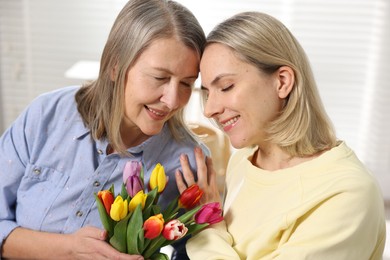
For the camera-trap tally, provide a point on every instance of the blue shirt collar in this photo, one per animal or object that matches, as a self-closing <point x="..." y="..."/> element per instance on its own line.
<point x="151" y="148"/>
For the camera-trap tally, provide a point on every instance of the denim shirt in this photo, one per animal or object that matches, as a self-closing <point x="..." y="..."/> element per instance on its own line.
<point x="50" y="167"/>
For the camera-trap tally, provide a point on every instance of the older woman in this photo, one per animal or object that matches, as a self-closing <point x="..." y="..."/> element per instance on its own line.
<point x="73" y="142"/>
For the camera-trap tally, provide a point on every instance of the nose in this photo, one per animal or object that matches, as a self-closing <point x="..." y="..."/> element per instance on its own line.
<point x="171" y="96"/>
<point x="212" y="106"/>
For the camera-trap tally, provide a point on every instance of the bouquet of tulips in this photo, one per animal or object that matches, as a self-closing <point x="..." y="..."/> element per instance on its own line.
<point x="135" y="222"/>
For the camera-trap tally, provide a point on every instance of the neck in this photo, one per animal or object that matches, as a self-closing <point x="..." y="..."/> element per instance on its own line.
<point x="133" y="137"/>
<point x="272" y="158"/>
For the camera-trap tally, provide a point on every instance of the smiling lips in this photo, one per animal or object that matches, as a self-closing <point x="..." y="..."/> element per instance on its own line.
<point x="229" y="124"/>
<point x="156" y="114"/>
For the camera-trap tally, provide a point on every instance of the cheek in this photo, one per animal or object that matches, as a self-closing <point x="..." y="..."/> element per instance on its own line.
<point x="184" y="96"/>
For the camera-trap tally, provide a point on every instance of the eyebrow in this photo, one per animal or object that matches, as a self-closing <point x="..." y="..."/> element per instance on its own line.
<point x="171" y="73"/>
<point x="218" y="78"/>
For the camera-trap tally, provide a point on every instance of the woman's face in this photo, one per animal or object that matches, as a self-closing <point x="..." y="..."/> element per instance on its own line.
<point x="158" y="84"/>
<point x="240" y="97"/>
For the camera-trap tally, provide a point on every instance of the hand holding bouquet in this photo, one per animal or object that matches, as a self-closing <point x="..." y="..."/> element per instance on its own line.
<point x="135" y="222"/>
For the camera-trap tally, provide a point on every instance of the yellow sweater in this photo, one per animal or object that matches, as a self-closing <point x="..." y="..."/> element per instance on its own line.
<point x="326" y="208"/>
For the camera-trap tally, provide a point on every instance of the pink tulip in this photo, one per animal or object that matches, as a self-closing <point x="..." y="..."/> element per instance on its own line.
<point x="174" y="230"/>
<point x="210" y="213"/>
<point x="132" y="177"/>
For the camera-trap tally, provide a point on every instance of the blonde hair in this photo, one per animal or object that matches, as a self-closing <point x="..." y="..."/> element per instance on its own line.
<point x="302" y="127"/>
<point x="140" y="22"/>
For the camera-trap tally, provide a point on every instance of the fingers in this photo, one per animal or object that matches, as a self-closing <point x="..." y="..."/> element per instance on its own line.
<point x="207" y="176"/>
<point x="201" y="168"/>
<point x="186" y="178"/>
<point x="212" y="176"/>
<point x="186" y="170"/>
<point x="181" y="185"/>
<point x="93" y="232"/>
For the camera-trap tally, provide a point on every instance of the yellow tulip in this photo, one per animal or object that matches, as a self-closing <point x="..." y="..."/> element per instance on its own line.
<point x="119" y="209"/>
<point x="158" y="178"/>
<point x="139" y="198"/>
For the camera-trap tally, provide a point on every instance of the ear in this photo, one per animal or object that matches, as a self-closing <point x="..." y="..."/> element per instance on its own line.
<point x="286" y="79"/>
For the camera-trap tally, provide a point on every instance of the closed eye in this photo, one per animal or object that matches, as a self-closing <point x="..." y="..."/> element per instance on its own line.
<point x="204" y="93"/>
<point x="160" y="78"/>
<point x="225" y="89"/>
<point x="187" y="84"/>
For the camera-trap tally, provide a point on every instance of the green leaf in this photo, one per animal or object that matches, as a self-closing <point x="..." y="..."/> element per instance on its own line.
<point x="124" y="193"/>
<point x="159" y="256"/>
<point x="155" y="210"/>
<point x="112" y="190"/>
<point x="141" y="240"/>
<point x="118" y="240"/>
<point x="192" y="228"/>
<point x="106" y="220"/>
<point x="188" y="215"/>
<point x="134" y="228"/>
<point x="141" y="174"/>
<point x="171" y="210"/>
<point x="150" y="199"/>
<point x="153" y="247"/>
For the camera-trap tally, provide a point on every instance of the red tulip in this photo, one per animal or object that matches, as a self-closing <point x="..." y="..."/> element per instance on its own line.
<point x="153" y="226"/>
<point x="190" y="197"/>
<point x="107" y="198"/>
<point x="210" y="213"/>
<point x="174" y="230"/>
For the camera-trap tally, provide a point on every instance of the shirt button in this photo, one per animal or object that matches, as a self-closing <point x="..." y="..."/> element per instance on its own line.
<point x="96" y="184"/>
<point x="100" y="151"/>
<point x="37" y="171"/>
<point x="79" y="213"/>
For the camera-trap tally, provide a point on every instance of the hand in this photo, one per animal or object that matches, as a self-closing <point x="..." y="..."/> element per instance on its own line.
<point x="207" y="177"/>
<point x="89" y="243"/>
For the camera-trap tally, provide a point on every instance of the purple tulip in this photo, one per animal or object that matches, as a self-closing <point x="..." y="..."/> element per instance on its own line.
<point x="132" y="177"/>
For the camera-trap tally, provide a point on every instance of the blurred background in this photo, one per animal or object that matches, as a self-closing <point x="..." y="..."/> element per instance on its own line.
<point x="46" y="44"/>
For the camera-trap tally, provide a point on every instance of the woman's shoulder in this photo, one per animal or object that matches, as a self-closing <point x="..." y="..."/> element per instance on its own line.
<point x="51" y="106"/>
<point x="57" y="97"/>
<point x="339" y="171"/>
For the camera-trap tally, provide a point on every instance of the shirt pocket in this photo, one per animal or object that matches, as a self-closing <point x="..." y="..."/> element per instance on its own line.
<point x="37" y="192"/>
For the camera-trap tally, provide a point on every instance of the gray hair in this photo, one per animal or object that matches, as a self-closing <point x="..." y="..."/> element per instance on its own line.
<point x="139" y="23"/>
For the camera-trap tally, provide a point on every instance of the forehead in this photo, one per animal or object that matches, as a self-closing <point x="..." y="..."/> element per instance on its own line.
<point x="216" y="51"/>
<point x="171" y="54"/>
<point x="219" y="59"/>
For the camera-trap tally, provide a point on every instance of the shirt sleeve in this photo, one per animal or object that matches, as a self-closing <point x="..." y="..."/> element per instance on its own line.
<point x="13" y="158"/>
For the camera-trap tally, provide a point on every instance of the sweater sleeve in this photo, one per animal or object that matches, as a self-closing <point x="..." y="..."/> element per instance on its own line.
<point x="349" y="225"/>
<point x="214" y="242"/>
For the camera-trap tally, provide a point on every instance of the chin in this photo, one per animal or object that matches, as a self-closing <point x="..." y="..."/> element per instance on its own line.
<point x="239" y="142"/>
<point x="152" y="130"/>
<point x="238" y="145"/>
